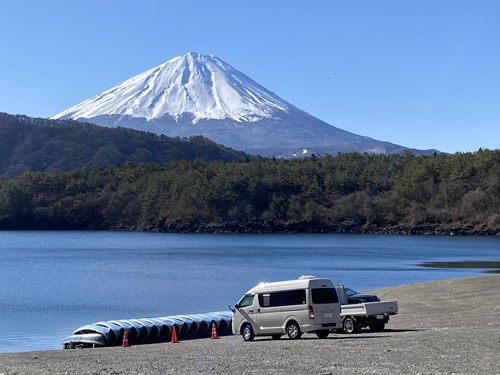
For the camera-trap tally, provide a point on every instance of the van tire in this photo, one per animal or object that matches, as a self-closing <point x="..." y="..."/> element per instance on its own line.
<point x="247" y="332"/>
<point x="293" y="330"/>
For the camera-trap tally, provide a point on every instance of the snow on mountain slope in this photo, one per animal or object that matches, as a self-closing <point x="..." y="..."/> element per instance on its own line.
<point x="200" y="85"/>
<point x="197" y="94"/>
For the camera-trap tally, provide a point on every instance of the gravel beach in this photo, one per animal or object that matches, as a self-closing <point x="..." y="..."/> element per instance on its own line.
<point x="443" y="327"/>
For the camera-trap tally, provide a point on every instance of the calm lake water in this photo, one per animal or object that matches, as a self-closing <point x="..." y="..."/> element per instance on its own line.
<point x="52" y="283"/>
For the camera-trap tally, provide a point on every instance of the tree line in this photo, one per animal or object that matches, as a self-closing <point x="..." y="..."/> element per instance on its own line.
<point x="352" y="193"/>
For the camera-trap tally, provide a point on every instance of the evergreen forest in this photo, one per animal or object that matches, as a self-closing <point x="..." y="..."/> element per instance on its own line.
<point x="38" y="144"/>
<point x="345" y="193"/>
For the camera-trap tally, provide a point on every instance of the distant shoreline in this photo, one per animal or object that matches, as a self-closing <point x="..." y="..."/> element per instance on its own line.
<point x="313" y="228"/>
<point x="491" y="266"/>
<point x="289" y="229"/>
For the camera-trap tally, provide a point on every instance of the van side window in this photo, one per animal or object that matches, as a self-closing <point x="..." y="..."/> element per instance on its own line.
<point x="247" y="300"/>
<point x="324" y="295"/>
<point x="285" y="298"/>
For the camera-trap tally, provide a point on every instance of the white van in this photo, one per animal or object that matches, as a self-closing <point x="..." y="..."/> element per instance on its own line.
<point x="305" y="305"/>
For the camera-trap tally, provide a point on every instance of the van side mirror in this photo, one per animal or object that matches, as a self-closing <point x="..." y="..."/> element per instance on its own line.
<point x="230" y="308"/>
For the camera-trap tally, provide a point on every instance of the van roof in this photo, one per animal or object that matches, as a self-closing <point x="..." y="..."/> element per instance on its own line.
<point x="291" y="284"/>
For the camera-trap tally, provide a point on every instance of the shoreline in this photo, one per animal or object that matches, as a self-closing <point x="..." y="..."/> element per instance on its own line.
<point x="295" y="228"/>
<point x="309" y="228"/>
<point x="443" y="327"/>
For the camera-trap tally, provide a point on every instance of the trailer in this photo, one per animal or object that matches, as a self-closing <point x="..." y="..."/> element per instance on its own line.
<point x="373" y="315"/>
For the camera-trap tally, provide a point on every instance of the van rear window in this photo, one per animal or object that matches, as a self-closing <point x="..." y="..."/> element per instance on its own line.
<point x="324" y="295"/>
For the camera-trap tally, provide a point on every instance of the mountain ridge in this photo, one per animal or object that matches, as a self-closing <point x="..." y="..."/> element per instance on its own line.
<point x="44" y="145"/>
<point x="197" y="94"/>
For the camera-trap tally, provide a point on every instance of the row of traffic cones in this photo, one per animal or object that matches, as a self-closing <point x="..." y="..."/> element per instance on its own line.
<point x="213" y="336"/>
<point x="174" y="335"/>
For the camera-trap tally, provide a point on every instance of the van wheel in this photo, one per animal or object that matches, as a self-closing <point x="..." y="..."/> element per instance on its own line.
<point x="293" y="330"/>
<point x="350" y="326"/>
<point x="322" y="334"/>
<point x="276" y="337"/>
<point x="247" y="332"/>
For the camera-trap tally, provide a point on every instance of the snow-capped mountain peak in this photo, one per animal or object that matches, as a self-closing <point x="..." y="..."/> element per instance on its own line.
<point x="195" y="94"/>
<point x="199" y="86"/>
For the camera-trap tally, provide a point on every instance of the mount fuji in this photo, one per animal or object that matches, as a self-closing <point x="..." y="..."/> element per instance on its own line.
<point x="196" y="94"/>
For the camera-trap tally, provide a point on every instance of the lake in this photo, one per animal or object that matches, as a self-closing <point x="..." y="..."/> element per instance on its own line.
<point x="53" y="282"/>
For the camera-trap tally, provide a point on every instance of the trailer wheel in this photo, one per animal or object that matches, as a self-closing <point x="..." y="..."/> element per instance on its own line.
<point x="247" y="332"/>
<point x="377" y="326"/>
<point x="350" y="325"/>
<point x="293" y="330"/>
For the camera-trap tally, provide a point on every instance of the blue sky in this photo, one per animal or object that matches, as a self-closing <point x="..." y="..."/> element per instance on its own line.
<point x="423" y="74"/>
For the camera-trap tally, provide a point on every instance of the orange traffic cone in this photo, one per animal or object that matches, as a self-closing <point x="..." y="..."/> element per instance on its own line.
<point x="214" y="331"/>
<point x="125" y="338"/>
<point x="174" y="335"/>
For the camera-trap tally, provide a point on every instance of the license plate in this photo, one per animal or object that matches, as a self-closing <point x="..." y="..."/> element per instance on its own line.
<point x="380" y="317"/>
<point x="328" y="315"/>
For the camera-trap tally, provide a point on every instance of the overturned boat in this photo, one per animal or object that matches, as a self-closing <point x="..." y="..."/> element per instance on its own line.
<point x="149" y="330"/>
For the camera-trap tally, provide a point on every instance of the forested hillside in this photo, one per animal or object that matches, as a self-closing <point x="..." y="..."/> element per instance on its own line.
<point x="37" y="144"/>
<point x="457" y="194"/>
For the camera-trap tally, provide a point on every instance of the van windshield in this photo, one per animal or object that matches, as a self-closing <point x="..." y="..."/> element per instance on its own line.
<point x="246" y="300"/>
<point x="324" y="295"/>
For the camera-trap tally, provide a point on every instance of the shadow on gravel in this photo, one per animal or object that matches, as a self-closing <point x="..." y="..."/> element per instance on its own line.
<point x="343" y="336"/>
<point x="357" y="336"/>
<point x="387" y="330"/>
<point x="402" y="330"/>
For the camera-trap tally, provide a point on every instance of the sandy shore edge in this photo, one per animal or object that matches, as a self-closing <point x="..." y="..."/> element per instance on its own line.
<point x="444" y="327"/>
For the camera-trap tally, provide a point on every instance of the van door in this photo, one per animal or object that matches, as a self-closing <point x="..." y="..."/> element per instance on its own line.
<point x="268" y="318"/>
<point x="245" y="312"/>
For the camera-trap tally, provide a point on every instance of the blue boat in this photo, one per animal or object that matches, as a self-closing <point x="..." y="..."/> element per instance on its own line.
<point x="149" y="330"/>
